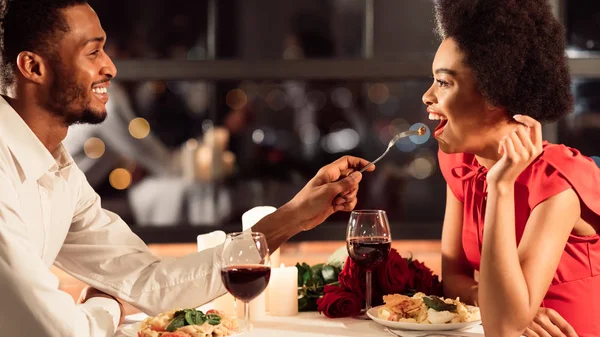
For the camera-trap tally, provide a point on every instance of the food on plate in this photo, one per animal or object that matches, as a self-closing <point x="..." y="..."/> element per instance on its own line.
<point x="189" y="323"/>
<point x="423" y="309"/>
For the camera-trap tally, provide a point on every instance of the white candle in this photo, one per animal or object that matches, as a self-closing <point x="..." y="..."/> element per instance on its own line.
<point x="225" y="303"/>
<point x="274" y="264"/>
<point x="283" y="291"/>
<point x="258" y="306"/>
<point x="275" y="256"/>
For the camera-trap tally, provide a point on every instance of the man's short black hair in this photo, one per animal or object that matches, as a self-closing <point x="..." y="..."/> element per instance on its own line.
<point x="516" y="49"/>
<point x="29" y="25"/>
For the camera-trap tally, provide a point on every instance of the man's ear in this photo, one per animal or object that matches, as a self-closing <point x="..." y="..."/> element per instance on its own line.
<point x="32" y="66"/>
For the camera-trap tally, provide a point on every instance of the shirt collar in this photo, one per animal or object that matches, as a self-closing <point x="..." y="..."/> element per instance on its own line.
<point x="33" y="157"/>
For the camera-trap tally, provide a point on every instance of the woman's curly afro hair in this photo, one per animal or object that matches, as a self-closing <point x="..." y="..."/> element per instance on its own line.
<point x="516" y="49"/>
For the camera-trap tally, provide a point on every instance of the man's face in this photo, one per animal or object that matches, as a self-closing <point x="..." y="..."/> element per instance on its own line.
<point x="80" y="69"/>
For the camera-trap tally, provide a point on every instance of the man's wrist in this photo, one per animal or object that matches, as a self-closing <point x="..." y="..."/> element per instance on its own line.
<point x="280" y="225"/>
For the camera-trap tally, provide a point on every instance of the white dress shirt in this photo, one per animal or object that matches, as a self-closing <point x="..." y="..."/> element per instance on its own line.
<point x="49" y="214"/>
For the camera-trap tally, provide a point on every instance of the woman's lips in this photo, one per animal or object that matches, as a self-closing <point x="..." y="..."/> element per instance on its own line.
<point x="433" y="115"/>
<point x="440" y="128"/>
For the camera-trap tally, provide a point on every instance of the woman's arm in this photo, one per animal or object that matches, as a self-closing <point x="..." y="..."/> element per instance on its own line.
<point x="457" y="272"/>
<point x="514" y="280"/>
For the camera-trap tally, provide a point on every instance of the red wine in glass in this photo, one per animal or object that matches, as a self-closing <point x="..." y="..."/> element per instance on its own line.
<point x="246" y="282"/>
<point x="245" y="267"/>
<point x="368" y="252"/>
<point x="368" y="241"/>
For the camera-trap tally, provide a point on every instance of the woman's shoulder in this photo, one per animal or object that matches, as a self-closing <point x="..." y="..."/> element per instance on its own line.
<point x="557" y="169"/>
<point x="561" y="159"/>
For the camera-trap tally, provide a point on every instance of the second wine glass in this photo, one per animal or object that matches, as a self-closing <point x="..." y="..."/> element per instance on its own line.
<point x="245" y="267"/>
<point x="368" y="241"/>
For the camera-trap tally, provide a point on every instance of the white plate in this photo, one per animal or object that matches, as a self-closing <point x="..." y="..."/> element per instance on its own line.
<point x="131" y="330"/>
<point x="421" y="327"/>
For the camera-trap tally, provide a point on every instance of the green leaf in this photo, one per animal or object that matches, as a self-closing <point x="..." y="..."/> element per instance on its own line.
<point x="307" y="304"/>
<point x="213" y="319"/>
<point x="180" y="312"/>
<point x="314" y="283"/>
<point x="329" y="274"/>
<point x="306" y="277"/>
<point x="176" y="323"/>
<point x="301" y="272"/>
<point x="437" y="304"/>
<point x="316" y="269"/>
<point x="190" y="317"/>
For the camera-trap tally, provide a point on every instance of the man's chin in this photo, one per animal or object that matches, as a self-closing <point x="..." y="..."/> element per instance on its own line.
<point x="88" y="117"/>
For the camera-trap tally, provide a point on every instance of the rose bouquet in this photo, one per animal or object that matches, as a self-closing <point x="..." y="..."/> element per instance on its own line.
<point x="344" y="294"/>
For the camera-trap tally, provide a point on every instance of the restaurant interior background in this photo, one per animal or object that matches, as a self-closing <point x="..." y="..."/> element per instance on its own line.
<point x="222" y="105"/>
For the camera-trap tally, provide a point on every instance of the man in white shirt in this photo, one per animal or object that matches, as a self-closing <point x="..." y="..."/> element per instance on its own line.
<point x="55" y="73"/>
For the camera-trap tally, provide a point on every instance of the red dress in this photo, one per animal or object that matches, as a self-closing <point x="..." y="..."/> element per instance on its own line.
<point x="575" y="289"/>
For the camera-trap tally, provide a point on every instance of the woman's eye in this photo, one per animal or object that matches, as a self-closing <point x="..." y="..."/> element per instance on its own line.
<point x="442" y="83"/>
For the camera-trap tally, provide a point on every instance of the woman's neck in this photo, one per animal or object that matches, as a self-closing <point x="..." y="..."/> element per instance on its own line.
<point x="488" y="155"/>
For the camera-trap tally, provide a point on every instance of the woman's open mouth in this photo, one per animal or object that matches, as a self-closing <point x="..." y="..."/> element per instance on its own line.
<point x="443" y="122"/>
<point x="440" y="128"/>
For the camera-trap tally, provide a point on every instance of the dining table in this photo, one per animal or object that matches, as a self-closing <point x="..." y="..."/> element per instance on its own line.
<point x="313" y="324"/>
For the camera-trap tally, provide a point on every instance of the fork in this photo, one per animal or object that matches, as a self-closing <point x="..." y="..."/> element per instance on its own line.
<point x="419" y="132"/>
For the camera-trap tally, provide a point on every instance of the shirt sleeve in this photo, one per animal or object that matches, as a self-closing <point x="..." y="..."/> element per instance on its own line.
<point x="32" y="304"/>
<point x="448" y="162"/>
<point x="101" y="250"/>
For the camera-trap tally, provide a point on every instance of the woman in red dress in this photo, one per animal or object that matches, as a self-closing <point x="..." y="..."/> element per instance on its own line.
<point x="523" y="213"/>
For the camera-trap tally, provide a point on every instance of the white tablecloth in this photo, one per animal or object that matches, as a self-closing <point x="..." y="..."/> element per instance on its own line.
<point x="311" y="324"/>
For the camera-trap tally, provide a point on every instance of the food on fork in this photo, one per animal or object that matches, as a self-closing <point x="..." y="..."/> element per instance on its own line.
<point x="423" y="309"/>
<point x="189" y="323"/>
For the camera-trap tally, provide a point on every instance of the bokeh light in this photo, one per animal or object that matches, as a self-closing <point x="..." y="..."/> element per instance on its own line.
<point x="309" y="133"/>
<point x="139" y="128"/>
<point x="276" y="99"/>
<point x="341" y="97"/>
<point x="94" y="148"/>
<point x="379" y="93"/>
<point x="406" y="145"/>
<point x="258" y="136"/>
<point x="420" y="139"/>
<point x="316" y="100"/>
<point x="120" y="179"/>
<point x="236" y="99"/>
<point x="421" y="168"/>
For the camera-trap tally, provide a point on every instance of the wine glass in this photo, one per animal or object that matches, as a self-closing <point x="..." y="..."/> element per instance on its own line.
<point x="245" y="267"/>
<point x="368" y="241"/>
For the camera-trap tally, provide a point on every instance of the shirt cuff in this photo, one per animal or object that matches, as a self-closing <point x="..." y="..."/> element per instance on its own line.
<point x="110" y="306"/>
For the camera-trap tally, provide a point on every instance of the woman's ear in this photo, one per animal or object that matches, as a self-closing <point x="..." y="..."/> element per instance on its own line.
<point x="495" y="109"/>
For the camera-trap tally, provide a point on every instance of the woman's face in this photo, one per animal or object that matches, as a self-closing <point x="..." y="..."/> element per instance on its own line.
<point x="467" y="121"/>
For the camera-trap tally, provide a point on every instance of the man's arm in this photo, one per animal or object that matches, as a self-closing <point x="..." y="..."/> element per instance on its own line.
<point x="32" y="305"/>
<point x="101" y="250"/>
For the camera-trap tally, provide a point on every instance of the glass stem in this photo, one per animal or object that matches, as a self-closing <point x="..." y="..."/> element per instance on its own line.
<point x="247" y="317"/>
<point x="368" y="291"/>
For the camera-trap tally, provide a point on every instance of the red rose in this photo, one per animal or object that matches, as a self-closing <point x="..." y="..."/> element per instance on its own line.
<point x="339" y="302"/>
<point x="394" y="274"/>
<point x="423" y="280"/>
<point x="352" y="277"/>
